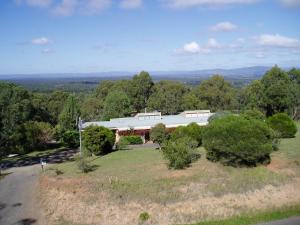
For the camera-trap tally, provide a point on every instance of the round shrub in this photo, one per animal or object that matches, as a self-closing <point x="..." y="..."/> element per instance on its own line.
<point x="159" y="134"/>
<point x="283" y="124"/>
<point x="193" y="131"/>
<point x="70" y="138"/>
<point x="144" y="216"/>
<point x="179" y="153"/>
<point x="98" y="140"/>
<point x="253" y="114"/>
<point x="122" y="144"/>
<point x="132" y="140"/>
<point x="236" y="141"/>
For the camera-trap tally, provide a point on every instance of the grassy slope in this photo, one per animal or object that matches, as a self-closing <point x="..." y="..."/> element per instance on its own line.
<point x="141" y="174"/>
<point x="290" y="150"/>
<point x="258" y="217"/>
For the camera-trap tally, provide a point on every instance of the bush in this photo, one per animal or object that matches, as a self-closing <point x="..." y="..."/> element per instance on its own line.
<point x="144" y="216"/>
<point x="132" y="140"/>
<point x="236" y="141"/>
<point x="253" y="114"/>
<point x="193" y="131"/>
<point x="158" y="134"/>
<point x="180" y="153"/>
<point x="122" y="144"/>
<point x="219" y="115"/>
<point x="283" y="124"/>
<point x="98" y="140"/>
<point x="70" y="138"/>
<point x="83" y="165"/>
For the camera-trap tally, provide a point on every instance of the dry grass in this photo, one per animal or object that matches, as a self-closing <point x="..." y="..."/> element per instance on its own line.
<point x="127" y="183"/>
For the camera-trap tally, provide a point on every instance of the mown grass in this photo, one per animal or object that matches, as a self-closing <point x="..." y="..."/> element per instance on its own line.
<point x="258" y="217"/>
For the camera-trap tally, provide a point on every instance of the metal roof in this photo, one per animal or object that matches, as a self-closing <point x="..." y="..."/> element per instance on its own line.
<point x="135" y="123"/>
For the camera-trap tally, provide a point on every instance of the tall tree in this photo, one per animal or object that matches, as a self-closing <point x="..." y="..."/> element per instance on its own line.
<point x="91" y="108"/>
<point x="216" y="93"/>
<point x="141" y="90"/>
<point x="277" y="96"/>
<point x="15" y="110"/>
<point x="55" y="104"/>
<point x="69" y="115"/>
<point x="167" y="97"/>
<point x="117" y="104"/>
<point x="253" y="96"/>
<point x="294" y="75"/>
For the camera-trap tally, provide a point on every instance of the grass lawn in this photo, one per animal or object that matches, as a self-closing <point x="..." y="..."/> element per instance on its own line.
<point x="141" y="176"/>
<point x="258" y="217"/>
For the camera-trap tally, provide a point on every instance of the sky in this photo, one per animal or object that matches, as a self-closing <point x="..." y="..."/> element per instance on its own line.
<point x="84" y="36"/>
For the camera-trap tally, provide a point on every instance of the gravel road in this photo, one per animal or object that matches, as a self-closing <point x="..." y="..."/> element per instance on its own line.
<point x="18" y="200"/>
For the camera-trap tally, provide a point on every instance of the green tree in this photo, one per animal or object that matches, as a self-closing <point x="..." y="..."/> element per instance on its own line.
<point x="253" y="96"/>
<point x="117" y="104"/>
<point x="236" y="141"/>
<point x="67" y="128"/>
<point x="167" y="97"/>
<point x="54" y="105"/>
<point x="159" y="134"/>
<point x="98" y="140"/>
<point x="216" y="93"/>
<point x="15" y="110"/>
<point x="283" y="124"/>
<point x="192" y="102"/>
<point x="277" y="96"/>
<point x="91" y="108"/>
<point x="70" y="114"/>
<point x="141" y="90"/>
<point x="103" y="89"/>
<point x="294" y="75"/>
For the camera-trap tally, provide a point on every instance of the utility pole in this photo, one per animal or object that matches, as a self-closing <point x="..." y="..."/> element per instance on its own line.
<point x="80" y="142"/>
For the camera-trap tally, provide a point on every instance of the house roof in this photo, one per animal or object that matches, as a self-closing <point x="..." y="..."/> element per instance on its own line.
<point x="137" y="123"/>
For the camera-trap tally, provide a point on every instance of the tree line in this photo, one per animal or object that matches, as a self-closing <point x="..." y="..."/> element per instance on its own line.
<point x="28" y="120"/>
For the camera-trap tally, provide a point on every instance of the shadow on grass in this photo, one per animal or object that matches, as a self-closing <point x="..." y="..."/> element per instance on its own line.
<point x="27" y="221"/>
<point x="53" y="156"/>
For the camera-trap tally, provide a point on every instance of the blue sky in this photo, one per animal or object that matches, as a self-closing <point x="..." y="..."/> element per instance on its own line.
<point x="62" y="36"/>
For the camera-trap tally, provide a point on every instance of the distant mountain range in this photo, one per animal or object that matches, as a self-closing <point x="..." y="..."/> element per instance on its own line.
<point x="249" y="72"/>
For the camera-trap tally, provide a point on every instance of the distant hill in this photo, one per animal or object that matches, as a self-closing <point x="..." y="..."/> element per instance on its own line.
<point x="254" y="72"/>
<point x="79" y="82"/>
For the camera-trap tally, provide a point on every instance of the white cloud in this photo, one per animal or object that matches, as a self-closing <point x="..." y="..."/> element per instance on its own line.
<point x="65" y="8"/>
<point x="40" y="41"/>
<point x="214" y="3"/>
<point x="35" y="3"/>
<point x="290" y="3"/>
<point x="276" y="40"/>
<point x="212" y="43"/>
<point x="47" y="51"/>
<point x="224" y="26"/>
<point x="193" y="48"/>
<point x="95" y="6"/>
<point x="131" y="4"/>
<point x="68" y="7"/>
